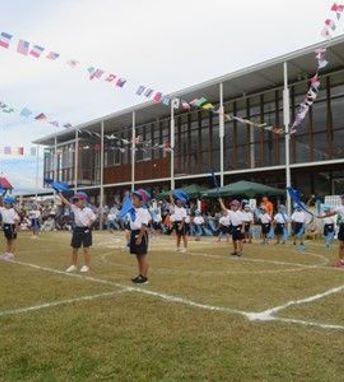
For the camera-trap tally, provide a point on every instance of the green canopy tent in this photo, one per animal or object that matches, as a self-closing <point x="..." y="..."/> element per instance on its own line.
<point x="194" y="191"/>
<point x="244" y="189"/>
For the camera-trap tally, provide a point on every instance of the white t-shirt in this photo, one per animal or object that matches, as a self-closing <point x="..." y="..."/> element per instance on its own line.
<point x="83" y="217"/>
<point x="235" y="217"/>
<point x="329" y="220"/>
<point x="298" y="217"/>
<point x="248" y="216"/>
<point x="9" y="215"/>
<point x="198" y="220"/>
<point x="142" y="217"/>
<point x="179" y="213"/>
<point x="280" y="218"/>
<point x="265" y="218"/>
<point x="224" y="220"/>
<point x="35" y="214"/>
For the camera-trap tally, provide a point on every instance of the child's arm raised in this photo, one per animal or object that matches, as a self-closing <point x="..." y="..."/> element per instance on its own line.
<point x="222" y="204"/>
<point x="64" y="200"/>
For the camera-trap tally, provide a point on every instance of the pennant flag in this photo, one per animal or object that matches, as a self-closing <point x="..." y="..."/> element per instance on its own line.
<point x="157" y="97"/>
<point x="176" y="103"/>
<point x="36" y="51"/>
<point x="110" y="77"/>
<point x="91" y="69"/>
<point x="41" y="117"/>
<point x="97" y="74"/>
<point x="148" y="92"/>
<point x="73" y="63"/>
<point x="7" y="150"/>
<point x="5" y="39"/>
<point x="185" y="105"/>
<point x="26" y="112"/>
<point x="166" y="100"/>
<point x="208" y="106"/>
<point x="193" y="102"/>
<point x="121" y="82"/>
<point x="201" y="101"/>
<point x="325" y="33"/>
<point x="52" y="56"/>
<point x="54" y="123"/>
<point x="10" y="110"/>
<point x="18" y="151"/>
<point x="23" y="47"/>
<point x="140" y="90"/>
<point x="331" y="24"/>
<point x="67" y="126"/>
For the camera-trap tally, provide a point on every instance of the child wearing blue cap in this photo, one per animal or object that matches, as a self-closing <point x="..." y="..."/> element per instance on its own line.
<point x="179" y="219"/>
<point x="10" y="221"/>
<point x="139" y="219"/>
<point x="84" y="218"/>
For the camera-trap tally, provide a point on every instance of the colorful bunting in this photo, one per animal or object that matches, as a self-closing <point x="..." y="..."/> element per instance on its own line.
<point x="52" y="56"/>
<point x="23" y="47"/>
<point x="5" y="39"/>
<point x="36" y="51"/>
<point x="26" y="112"/>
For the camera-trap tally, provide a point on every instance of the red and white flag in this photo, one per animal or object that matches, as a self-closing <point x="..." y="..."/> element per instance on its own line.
<point x="36" y="51"/>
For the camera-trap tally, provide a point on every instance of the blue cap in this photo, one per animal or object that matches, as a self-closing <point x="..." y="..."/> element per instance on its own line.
<point x="9" y="200"/>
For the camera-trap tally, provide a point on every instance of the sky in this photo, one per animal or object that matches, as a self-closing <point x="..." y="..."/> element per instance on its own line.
<point x="167" y="45"/>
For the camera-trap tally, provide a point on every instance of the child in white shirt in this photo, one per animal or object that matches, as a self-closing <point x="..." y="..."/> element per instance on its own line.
<point x="10" y="221"/>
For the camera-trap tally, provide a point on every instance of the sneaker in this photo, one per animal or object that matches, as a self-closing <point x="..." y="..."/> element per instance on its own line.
<point x="3" y="256"/>
<point x="141" y="280"/>
<point x="234" y="253"/>
<point x="183" y="250"/>
<point x="71" y="269"/>
<point x="134" y="280"/>
<point x="10" y="257"/>
<point x="84" y="269"/>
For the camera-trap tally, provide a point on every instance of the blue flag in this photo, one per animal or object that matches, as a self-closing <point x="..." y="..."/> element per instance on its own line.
<point x="127" y="208"/>
<point x="296" y="198"/>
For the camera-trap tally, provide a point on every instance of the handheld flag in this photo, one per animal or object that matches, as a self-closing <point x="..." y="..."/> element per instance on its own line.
<point x="127" y="208"/>
<point x="296" y="198"/>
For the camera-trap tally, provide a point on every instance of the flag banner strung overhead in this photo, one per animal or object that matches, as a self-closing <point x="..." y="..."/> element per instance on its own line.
<point x="27" y="113"/>
<point x="9" y="150"/>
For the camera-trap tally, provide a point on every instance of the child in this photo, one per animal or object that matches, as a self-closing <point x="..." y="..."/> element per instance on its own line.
<point x="224" y="228"/>
<point x="238" y="226"/>
<point x="280" y="224"/>
<point x="265" y="221"/>
<point x="248" y="220"/>
<point x="35" y="216"/>
<point x="84" y="218"/>
<point x="298" y="219"/>
<point x="329" y="226"/>
<point x="198" y="222"/>
<point x="340" y="212"/>
<point x="10" y="220"/>
<point x="179" y="221"/>
<point x="139" y="221"/>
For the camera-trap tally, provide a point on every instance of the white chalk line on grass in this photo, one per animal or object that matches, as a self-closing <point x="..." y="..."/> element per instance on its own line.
<point x="252" y="316"/>
<point x="305" y="300"/>
<point x="62" y="302"/>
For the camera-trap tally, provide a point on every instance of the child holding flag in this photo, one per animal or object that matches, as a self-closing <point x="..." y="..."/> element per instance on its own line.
<point x="84" y="218"/>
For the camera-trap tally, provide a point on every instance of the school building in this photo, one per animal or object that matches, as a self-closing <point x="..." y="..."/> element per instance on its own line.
<point x="202" y="140"/>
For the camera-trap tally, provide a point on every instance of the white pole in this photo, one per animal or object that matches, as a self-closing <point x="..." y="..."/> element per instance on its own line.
<point x="172" y="144"/>
<point x="37" y="170"/>
<point x="221" y="135"/>
<point x="55" y="159"/>
<point x="133" y="149"/>
<point x="76" y="161"/>
<point x="101" y="202"/>
<point x="286" y="117"/>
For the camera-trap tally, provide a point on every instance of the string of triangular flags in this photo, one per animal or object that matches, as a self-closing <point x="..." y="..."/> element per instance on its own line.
<point x="17" y="151"/>
<point x="320" y="54"/>
<point x="35" y="51"/>
<point x="29" y="114"/>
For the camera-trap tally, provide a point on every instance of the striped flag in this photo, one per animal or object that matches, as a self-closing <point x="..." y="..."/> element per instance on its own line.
<point x="23" y="47"/>
<point x="140" y="90"/>
<point x="36" y="51"/>
<point x="97" y="74"/>
<point x="5" y="39"/>
<point x="148" y="92"/>
<point x="52" y="56"/>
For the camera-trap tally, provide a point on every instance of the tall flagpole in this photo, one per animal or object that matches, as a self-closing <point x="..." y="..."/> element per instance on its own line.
<point x="172" y="144"/>
<point x="37" y="170"/>
<point x="101" y="201"/>
<point x="133" y="149"/>
<point x="221" y="135"/>
<point x="286" y="118"/>
<point x="76" y="161"/>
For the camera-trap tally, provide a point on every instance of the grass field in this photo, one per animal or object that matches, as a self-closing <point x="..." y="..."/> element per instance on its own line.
<point x="273" y="315"/>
